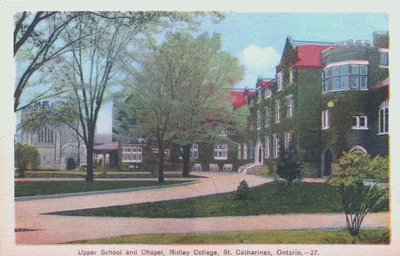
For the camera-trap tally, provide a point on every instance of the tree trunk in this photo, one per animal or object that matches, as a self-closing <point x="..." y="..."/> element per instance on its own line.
<point x="186" y="160"/>
<point x="160" y="165"/>
<point x="89" y="158"/>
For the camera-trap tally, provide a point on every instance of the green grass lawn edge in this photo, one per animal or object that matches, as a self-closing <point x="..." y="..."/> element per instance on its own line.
<point x="46" y="188"/>
<point x="268" y="198"/>
<point x="367" y="236"/>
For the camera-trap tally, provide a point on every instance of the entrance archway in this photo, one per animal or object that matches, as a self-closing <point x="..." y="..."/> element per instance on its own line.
<point x="327" y="159"/>
<point x="71" y="164"/>
<point x="258" y="153"/>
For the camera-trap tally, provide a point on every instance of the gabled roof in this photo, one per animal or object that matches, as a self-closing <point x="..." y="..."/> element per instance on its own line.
<point x="237" y="99"/>
<point x="268" y="83"/>
<point x="107" y="147"/>
<point x="309" y="56"/>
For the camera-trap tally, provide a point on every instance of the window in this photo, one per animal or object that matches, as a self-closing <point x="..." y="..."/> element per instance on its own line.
<point x="267" y="149"/>
<point x="222" y="131"/>
<point x="244" y="151"/>
<point x="290" y="106"/>
<point x="260" y="93"/>
<point x="279" y="80"/>
<point x="384" y="58"/>
<point x="267" y="93"/>
<point x="239" y="156"/>
<point x="275" y="146"/>
<point x="46" y="135"/>
<point x="359" y="123"/>
<point x="288" y="140"/>
<point x="131" y="154"/>
<point x="194" y="151"/>
<point x="277" y="112"/>
<point x="291" y="76"/>
<point x="267" y="116"/>
<point x="325" y="119"/>
<point x="259" y="121"/>
<point x="384" y="117"/>
<point x="345" y="77"/>
<point x="251" y="146"/>
<point x="221" y="151"/>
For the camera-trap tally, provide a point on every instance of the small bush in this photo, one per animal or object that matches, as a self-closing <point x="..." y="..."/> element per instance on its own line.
<point x="26" y="158"/>
<point x="243" y="190"/>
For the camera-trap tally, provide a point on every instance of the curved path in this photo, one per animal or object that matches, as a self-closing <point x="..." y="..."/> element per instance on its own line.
<point x="52" y="229"/>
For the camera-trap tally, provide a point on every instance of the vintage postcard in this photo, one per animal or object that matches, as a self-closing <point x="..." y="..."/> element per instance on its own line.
<point x="223" y="129"/>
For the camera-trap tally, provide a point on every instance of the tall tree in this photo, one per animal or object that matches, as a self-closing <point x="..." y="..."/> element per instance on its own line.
<point x="95" y="59"/>
<point x="181" y="88"/>
<point x="36" y="43"/>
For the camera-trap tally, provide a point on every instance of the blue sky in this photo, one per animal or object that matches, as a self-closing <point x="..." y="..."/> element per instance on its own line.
<point x="257" y="39"/>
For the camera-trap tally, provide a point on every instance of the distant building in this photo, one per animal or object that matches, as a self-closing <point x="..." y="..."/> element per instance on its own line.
<point x="59" y="146"/>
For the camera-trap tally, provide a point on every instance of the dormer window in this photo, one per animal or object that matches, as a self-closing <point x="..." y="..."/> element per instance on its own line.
<point x="279" y="80"/>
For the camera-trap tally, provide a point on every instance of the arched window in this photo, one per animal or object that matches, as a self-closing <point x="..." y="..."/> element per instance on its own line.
<point x="358" y="150"/>
<point x="384" y="117"/>
<point x="46" y="135"/>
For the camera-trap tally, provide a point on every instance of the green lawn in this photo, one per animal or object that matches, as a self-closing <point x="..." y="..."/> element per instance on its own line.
<point x="81" y="174"/>
<point x="369" y="236"/>
<point x="265" y="199"/>
<point x="62" y="187"/>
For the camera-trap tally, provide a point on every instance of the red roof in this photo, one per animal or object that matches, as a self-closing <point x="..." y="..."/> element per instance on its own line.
<point x="309" y="56"/>
<point x="237" y="99"/>
<point x="266" y="83"/>
<point x="107" y="147"/>
<point x="385" y="82"/>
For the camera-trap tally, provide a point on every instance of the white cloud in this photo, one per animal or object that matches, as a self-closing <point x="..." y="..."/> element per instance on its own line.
<point x="259" y="62"/>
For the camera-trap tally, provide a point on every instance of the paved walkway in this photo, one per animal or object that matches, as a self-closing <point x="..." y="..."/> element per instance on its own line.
<point x="51" y="229"/>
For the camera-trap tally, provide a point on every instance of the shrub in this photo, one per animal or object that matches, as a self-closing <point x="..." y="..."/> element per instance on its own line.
<point x="26" y="157"/>
<point x="242" y="191"/>
<point x="357" y="177"/>
<point x="287" y="167"/>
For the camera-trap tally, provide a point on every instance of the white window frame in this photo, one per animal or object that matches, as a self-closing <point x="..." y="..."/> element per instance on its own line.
<point x="223" y="132"/>
<point x="384" y="52"/>
<point x="245" y="149"/>
<point x="291" y="76"/>
<point x="221" y="151"/>
<point x="267" y="147"/>
<point x="267" y="93"/>
<point x="277" y="112"/>
<point x="267" y="116"/>
<point x="325" y="119"/>
<point x="290" y="108"/>
<point x="46" y="135"/>
<point x="358" y="126"/>
<point x="288" y="139"/>
<point x="194" y="151"/>
<point x="275" y="145"/>
<point x="239" y="156"/>
<point x="131" y="154"/>
<point x="350" y="75"/>
<point x="383" y="119"/>
<point x="279" y="80"/>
